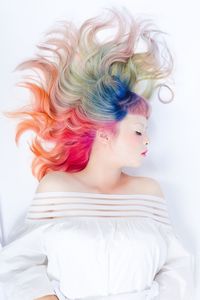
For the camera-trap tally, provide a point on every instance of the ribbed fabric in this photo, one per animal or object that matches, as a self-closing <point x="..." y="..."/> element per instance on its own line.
<point x="58" y="205"/>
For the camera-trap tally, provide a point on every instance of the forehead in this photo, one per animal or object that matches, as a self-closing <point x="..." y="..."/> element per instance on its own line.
<point x="134" y="119"/>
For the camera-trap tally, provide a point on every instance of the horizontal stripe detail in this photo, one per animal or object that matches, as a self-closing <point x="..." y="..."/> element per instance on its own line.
<point x="59" y="205"/>
<point x="94" y="195"/>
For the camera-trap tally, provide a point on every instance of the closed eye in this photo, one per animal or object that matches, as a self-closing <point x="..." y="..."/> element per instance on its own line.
<point x="138" y="133"/>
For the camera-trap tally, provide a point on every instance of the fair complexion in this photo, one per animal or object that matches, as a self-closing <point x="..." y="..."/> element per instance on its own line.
<point x="109" y="154"/>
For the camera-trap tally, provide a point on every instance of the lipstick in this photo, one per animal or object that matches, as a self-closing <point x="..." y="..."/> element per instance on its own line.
<point x="144" y="153"/>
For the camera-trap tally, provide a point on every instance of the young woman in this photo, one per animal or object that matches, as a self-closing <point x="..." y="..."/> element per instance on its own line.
<point x="92" y="231"/>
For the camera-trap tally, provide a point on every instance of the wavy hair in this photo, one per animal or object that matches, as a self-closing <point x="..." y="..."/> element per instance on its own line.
<point x="82" y="83"/>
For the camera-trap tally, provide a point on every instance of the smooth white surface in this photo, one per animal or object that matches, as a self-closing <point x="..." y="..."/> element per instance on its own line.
<point x="2" y="295"/>
<point x="174" y="147"/>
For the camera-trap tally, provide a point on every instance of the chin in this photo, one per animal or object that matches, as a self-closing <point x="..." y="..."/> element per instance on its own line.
<point x="131" y="165"/>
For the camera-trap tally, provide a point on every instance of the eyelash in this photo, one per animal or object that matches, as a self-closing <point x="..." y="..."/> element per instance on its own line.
<point x="138" y="133"/>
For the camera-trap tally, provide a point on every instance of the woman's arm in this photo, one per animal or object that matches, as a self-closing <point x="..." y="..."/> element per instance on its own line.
<point x="23" y="271"/>
<point x="176" y="276"/>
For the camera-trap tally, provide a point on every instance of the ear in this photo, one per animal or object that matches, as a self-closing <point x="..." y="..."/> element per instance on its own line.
<point x="102" y="136"/>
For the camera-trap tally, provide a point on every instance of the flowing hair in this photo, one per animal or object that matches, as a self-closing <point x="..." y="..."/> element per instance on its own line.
<point x="82" y="83"/>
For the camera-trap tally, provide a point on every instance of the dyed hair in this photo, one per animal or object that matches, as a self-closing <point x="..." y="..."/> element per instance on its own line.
<point x="82" y="83"/>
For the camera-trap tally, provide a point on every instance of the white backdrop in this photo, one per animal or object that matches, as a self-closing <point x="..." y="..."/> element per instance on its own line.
<point x="174" y="128"/>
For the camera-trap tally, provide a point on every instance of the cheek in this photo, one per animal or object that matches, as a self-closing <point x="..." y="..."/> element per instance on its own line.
<point x="128" y="144"/>
<point x="134" y="140"/>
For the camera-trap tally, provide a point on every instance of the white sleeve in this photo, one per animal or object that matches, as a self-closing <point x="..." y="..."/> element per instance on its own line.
<point x="176" y="277"/>
<point x="23" y="265"/>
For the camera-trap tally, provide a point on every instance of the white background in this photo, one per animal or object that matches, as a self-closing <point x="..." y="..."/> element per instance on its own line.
<point x="174" y="149"/>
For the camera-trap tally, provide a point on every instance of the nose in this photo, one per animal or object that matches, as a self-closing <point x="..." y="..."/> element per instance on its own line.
<point x="147" y="140"/>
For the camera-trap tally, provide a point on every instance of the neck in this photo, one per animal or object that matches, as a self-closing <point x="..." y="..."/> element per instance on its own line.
<point x="101" y="175"/>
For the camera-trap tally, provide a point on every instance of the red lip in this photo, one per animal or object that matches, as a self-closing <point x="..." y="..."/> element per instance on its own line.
<point x="144" y="152"/>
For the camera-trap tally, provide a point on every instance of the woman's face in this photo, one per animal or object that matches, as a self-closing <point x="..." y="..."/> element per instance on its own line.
<point x="131" y="141"/>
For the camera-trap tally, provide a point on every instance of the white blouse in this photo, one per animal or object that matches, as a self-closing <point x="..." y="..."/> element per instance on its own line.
<point x="91" y="246"/>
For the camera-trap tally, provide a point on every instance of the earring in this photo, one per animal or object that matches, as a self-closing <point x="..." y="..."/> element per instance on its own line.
<point x="104" y="136"/>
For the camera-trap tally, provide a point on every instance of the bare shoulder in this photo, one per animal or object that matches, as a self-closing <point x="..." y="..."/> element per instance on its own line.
<point x="148" y="185"/>
<point x="55" y="181"/>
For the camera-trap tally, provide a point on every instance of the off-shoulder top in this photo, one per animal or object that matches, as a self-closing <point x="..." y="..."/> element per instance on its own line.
<point x="58" y="205"/>
<point x="91" y="246"/>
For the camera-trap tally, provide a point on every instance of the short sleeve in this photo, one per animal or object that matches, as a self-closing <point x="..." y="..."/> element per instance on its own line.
<point x="23" y="265"/>
<point x="176" y="276"/>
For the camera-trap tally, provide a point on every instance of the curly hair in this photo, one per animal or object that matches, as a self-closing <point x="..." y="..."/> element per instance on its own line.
<point x="82" y="83"/>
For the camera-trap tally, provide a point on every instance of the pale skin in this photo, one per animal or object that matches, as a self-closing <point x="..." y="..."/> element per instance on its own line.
<point x="103" y="172"/>
<point x="109" y="154"/>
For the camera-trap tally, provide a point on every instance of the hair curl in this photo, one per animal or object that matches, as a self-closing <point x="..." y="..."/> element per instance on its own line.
<point x="83" y="83"/>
